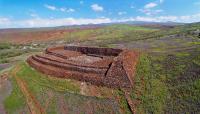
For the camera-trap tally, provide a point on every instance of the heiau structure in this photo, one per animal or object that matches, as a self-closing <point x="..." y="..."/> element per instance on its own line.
<point x="99" y="66"/>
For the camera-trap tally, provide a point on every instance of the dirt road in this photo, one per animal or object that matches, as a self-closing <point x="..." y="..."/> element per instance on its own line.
<point x="33" y="104"/>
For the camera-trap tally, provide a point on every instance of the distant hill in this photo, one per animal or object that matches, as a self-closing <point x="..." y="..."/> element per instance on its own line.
<point x="136" y="23"/>
<point x="169" y="23"/>
<point x="156" y="29"/>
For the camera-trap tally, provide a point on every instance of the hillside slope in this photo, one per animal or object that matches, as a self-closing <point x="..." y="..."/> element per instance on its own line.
<point x="167" y="76"/>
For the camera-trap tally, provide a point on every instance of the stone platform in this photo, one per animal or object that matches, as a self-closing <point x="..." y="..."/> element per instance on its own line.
<point x="109" y="67"/>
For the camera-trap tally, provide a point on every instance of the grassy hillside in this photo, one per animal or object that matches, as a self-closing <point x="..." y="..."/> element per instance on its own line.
<point x="167" y="78"/>
<point x="110" y="34"/>
<point x="168" y="83"/>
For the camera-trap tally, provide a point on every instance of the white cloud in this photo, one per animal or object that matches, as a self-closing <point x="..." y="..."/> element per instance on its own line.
<point x="146" y="11"/>
<point x="184" y="18"/>
<point x="4" y="20"/>
<point x="50" y="7"/>
<point x="150" y="5"/>
<point x="97" y="7"/>
<point x="67" y="10"/>
<point x="70" y="10"/>
<point x="62" y="9"/>
<point x="150" y="11"/>
<point x="152" y="19"/>
<point x="39" y="22"/>
<point x="63" y="21"/>
<point x="139" y="18"/>
<point x="122" y="13"/>
<point x="190" y="18"/>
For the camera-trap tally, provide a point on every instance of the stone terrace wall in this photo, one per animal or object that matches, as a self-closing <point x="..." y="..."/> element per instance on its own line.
<point x="119" y="73"/>
<point x="95" y="50"/>
<point x="88" y="50"/>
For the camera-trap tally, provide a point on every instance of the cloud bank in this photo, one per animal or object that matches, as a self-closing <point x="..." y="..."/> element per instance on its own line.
<point x="41" y="22"/>
<point x="62" y="9"/>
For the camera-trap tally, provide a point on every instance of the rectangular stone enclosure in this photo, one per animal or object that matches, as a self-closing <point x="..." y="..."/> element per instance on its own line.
<point x="109" y="67"/>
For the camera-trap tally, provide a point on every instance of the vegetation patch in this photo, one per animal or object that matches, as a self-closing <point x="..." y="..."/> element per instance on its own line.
<point x="110" y="34"/>
<point x="122" y="101"/>
<point x="150" y="92"/>
<point x="182" y="80"/>
<point x="197" y="60"/>
<point x="193" y="43"/>
<point x="5" y="46"/>
<point x="5" y="55"/>
<point x="16" y="100"/>
<point x="182" y="54"/>
<point x="37" y="79"/>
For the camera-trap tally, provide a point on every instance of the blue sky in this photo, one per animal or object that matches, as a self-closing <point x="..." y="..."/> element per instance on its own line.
<point x="45" y="13"/>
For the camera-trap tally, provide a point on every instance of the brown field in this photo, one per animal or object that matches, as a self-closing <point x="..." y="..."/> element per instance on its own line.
<point x="42" y="35"/>
<point x="27" y="37"/>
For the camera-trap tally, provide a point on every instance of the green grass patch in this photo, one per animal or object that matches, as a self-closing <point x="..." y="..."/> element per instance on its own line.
<point x="197" y="60"/>
<point x="158" y="49"/>
<point x="149" y="90"/>
<point x="109" y="34"/>
<point x="5" y="46"/>
<point x="122" y="101"/>
<point x="193" y="43"/>
<point x="15" y="100"/>
<point x="36" y="78"/>
<point x="6" y="55"/>
<point x="4" y="61"/>
<point x="182" y="54"/>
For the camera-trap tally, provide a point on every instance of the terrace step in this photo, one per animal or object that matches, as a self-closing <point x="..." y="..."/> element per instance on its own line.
<point x="61" y="60"/>
<point x="60" y="73"/>
<point x="65" y="54"/>
<point x="68" y="66"/>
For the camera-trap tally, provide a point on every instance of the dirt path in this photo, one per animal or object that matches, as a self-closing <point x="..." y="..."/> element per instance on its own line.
<point x="33" y="104"/>
<point x="5" y="90"/>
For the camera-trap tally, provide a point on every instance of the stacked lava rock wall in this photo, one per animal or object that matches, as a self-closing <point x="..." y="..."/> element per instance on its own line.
<point x="118" y="73"/>
<point x="95" y="50"/>
<point x="123" y="69"/>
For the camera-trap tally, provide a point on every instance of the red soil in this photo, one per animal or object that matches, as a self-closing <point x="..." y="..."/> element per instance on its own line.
<point x="24" y="36"/>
